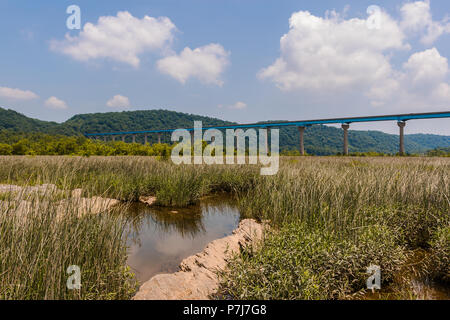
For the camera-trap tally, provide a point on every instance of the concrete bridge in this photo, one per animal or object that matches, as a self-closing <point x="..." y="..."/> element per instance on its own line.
<point x="300" y="124"/>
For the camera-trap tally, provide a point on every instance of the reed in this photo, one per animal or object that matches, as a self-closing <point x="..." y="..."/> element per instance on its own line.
<point x="330" y="217"/>
<point x="41" y="235"/>
<point x="334" y="217"/>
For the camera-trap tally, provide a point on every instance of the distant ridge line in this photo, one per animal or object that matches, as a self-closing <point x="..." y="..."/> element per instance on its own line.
<point x="346" y="120"/>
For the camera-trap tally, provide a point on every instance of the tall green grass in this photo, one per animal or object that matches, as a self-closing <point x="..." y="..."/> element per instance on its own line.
<point x="40" y="237"/>
<point x="329" y="218"/>
<point x="334" y="217"/>
<point x="127" y="178"/>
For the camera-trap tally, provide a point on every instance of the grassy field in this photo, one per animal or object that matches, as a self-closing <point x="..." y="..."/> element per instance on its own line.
<point x="330" y="219"/>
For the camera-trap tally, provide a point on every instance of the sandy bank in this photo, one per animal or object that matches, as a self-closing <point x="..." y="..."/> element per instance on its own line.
<point x="197" y="278"/>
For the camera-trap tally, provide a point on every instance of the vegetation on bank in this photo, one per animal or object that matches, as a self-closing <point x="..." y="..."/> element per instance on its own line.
<point x="40" y="238"/>
<point x="334" y="218"/>
<point x="42" y="144"/>
<point x="439" y="152"/>
<point x="330" y="217"/>
<point x="319" y="139"/>
<point x="81" y="146"/>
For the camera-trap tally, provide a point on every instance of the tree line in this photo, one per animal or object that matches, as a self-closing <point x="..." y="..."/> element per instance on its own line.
<point x="44" y="144"/>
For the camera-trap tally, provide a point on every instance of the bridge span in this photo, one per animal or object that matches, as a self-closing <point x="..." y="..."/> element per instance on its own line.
<point x="300" y="124"/>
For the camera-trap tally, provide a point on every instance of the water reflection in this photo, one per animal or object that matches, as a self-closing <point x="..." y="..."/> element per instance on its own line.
<point x="160" y="238"/>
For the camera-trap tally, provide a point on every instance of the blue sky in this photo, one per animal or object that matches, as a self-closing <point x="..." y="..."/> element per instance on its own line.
<point x="329" y="65"/>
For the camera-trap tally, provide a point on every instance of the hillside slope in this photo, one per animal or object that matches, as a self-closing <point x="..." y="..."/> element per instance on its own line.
<point x="17" y="122"/>
<point x="136" y="120"/>
<point x="319" y="140"/>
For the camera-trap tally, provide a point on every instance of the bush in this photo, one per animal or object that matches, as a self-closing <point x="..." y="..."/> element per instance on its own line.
<point x="5" y="149"/>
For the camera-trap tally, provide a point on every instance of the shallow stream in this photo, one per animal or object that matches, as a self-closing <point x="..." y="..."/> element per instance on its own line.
<point x="160" y="238"/>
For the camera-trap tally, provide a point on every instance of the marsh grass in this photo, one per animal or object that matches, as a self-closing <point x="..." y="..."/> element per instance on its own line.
<point x="127" y="178"/>
<point x="331" y="216"/>
<point x="336" y="217"/>
<point x="440" y="254"/>
<point x="40" y="239"/>
<point x="298" y="262"/>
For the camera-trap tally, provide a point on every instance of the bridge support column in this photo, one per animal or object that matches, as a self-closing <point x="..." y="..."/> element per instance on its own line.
<point x="104" y="138"/>
<point x="134" y="138"/>
<point x="401" y="149"/>
<point x="113" y="138"/>
<point x="145" y="138"/>
<point x="159" y="137"/>
<point x="301" y="130"/>
<point x="123" y="138"/>
<point x="345" y="126"/>
<point x="267" y="140"/>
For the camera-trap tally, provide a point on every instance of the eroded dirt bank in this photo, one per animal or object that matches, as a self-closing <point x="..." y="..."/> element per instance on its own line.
<point x="197" y="278"/>
<point x="23" y="200"/>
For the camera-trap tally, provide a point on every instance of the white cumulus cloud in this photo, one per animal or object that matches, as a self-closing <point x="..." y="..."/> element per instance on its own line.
<point x="332" y="55"/>
<point x="331" y="52"/>
<point x="427" y="67"/>
<point x="121" y="38"/>
<point x="118" y="101"/>
<point x="55" y="103"/>
<point x="417" y="18"/>
<point x="17" y="94"/>
<point x="205" y="63"/>
<point x="421" y="82"/>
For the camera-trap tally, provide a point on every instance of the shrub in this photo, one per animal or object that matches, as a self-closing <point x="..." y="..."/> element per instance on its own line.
<point x="5" y="149"/>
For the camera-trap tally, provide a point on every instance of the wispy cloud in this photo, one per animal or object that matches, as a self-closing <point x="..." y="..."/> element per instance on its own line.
<point x="17" y="94"/>
<point x="236" y="106"/>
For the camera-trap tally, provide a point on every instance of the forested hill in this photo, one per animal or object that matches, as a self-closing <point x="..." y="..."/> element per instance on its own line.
<point x="319" y="140"/>
<point x="17" y="122"/>
<point x="136" y="121"/>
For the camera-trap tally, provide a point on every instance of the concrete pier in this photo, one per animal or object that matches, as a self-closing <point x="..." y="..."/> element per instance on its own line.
<point x="134" y="138"/>
<point x="123" y="138"/>
<point x="267" y="140"/>
<point x="401" y="149"/>
<point x="301" y="131"/>
<point x="159" y="137"/>
<point x="345" y="126"/>
<point x="145" y="138"/>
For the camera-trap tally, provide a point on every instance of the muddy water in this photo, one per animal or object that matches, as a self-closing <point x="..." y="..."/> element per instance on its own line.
<point x="160" y="238"/>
